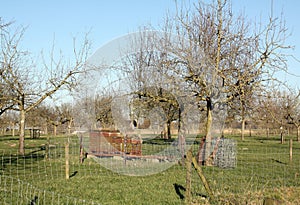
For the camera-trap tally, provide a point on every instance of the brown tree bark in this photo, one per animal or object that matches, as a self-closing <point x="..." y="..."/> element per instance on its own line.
<point x="208" y="136"/>
<point x="243" y="129"/>
<point x="22" y="132"/>
<point x="298" y="133"/>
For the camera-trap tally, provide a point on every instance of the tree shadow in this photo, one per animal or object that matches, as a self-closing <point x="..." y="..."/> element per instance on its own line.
<point x="158" y="141"/>
<point x="179" y="189"/>
<point x="73" y="174"/>
<point x="280" y="162"/>
<point x="16" y="138"/>
<point x="34" y="201"/>
<point x="15" y="159"/>
<point x="8" y="138"/>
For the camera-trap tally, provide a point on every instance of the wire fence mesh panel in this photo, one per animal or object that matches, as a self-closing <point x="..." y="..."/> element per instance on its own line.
<point x="243" y="172"/>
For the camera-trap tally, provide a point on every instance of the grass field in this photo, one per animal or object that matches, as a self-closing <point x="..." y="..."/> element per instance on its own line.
<point x="263" y="170"/>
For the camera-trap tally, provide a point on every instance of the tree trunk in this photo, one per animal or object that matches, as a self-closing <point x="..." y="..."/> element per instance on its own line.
<point x="13" y="131"/>
<point x="243" y="129"/>
<point x="208" y="140"/>
<point x="46" y="129"/>
<point x="250" y="130"/>
<point x="281" y="136"/>
<point x="12" y="124"/>
<point x="208" y="137"/>
<point x="22" y="132"/>
<point x="169" y="129"/>
<point x="47" y="148"/>
<point x="54" y="130"/>
<point x="298" y="133"/>
<point x="70" y="126"/>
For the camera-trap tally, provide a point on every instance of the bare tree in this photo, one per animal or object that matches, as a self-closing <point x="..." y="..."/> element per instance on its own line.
<point x="221" y="57"/>
<point x="9" y="122"/>
<point x="269" y="112"/>
<point x="156" y="97"/>
<point x="148" y="86"/>
<point x="199" y="52"/>
<point x="33" y="84"/>
<point x="66" y="113"/>
<point x="292" y="109"/>
<point x="103" y="106"/>
<point x="59" y="115"/>
<point x="6" y="93"/>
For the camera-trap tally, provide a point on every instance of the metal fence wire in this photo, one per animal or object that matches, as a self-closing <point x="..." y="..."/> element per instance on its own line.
<point x="239" y="167"/>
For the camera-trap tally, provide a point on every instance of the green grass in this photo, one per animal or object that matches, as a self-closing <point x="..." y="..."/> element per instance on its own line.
<point x="263" y="169"/>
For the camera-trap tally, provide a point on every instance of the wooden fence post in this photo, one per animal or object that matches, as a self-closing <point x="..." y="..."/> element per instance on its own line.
<point x="291" y="150"/>
<point x="191" y="160"/>
<point x="188" y="189"/>
<point x="203" y="179"/>
<point x="67" y="159"/>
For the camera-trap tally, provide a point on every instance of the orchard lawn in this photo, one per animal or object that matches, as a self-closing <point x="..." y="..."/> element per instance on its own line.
<point x="263" y="170"/>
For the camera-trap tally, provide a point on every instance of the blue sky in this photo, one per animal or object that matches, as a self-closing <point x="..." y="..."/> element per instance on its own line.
<point x="107" y="19"/>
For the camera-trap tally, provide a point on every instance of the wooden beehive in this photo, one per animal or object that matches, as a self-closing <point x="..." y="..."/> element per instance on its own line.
<point x="110" y="143"/>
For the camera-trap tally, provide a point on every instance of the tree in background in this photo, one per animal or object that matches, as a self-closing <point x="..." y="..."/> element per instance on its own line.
<point x="31" y="84"/>
<point x="152" y="98"/>
<point x="103" y="106"/>
<point x="279" y="109"/>
<point x="6" y="93"/>
<point x="151" y="92"/>
<point x="292" y="109"/>
<point x="58" y="115"/>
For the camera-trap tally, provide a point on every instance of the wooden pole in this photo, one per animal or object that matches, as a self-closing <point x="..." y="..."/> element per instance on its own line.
<point x="67" y="160"/>
<point x="203" y="179"/>
<point x="192" y="160"/>
<point x="291" y="150"/>
<point x="188" y="189"/>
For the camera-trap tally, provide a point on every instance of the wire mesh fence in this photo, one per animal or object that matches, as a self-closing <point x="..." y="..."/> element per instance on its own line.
<point x="253" y="166"/>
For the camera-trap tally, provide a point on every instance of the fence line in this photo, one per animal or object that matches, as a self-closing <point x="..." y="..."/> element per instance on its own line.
<point x="259" y="166"/>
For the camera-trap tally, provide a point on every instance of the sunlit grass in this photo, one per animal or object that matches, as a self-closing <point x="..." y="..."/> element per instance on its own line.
<point x="263" y="165"/>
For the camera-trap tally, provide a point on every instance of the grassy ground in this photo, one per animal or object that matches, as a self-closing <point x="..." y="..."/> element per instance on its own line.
<point x="263" y="170"/>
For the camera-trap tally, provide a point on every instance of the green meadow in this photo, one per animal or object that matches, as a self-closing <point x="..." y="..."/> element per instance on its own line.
<point x="264" y="169"/>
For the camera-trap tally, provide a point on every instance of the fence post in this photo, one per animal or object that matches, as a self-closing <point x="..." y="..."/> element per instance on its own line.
<point x="188" y="191"/>
<point x="203" y="179"/>
<point x="67" y="159"/>
<point x="291" y="150"/>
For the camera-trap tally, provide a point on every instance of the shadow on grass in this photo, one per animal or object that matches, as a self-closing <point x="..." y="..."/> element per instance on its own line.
<point x="158" y="141"/>
<point x="8" y="138"/>
<point x="14" y="159"/>
<point x="179" y="189"/>
<point x="73" y="174"/>
<point x="280" y="162"/>
<point x="34" y="200"/>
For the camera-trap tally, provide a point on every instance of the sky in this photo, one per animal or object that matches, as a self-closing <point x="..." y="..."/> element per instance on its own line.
<point x="58" y="21"/>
